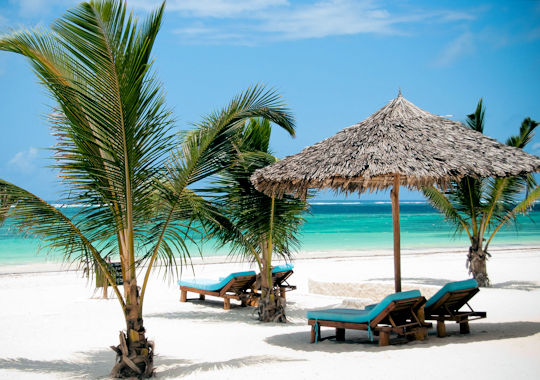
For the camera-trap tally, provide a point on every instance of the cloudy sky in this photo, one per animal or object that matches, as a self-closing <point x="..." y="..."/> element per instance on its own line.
<point x="334" y="61"/>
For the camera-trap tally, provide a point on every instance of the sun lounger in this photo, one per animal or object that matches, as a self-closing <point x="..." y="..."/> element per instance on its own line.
<point x="445" y="305"/>
<point x="396" y="313"/>
<point x="236" y="286"/>
<point x="280" y="274"/>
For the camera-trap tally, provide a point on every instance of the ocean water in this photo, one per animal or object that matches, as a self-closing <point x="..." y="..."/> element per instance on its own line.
<point x="332" y="226"/>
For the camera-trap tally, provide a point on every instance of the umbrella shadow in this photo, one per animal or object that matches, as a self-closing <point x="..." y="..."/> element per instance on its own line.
<point x="359" y="341"/>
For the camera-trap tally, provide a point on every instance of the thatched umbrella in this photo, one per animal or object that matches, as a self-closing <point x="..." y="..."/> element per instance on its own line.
<point x="400" y="144"/>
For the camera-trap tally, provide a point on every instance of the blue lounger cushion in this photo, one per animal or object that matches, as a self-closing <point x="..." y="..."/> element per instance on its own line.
<point x="451" y="287"/>
<point x="360" y="315"/>
<point x="213" y="285"/>
<point x="282" y="268"/>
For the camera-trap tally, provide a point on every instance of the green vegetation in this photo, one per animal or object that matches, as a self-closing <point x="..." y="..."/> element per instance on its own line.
<point x="264" y="225"/>
<point x="116" y="150"/>
<point x="480" y="207"/>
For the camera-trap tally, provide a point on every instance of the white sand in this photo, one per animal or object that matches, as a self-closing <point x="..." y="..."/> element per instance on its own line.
<point x="52" y="325"/>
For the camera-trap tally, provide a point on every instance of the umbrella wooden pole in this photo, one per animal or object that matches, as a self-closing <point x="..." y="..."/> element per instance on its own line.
<point x="394" y="194"/>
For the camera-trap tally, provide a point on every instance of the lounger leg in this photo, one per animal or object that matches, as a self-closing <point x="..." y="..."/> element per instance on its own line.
<point x="282" y="294"/>
<point x="384" y="338"/>
<point x="183" y="295"/>
<point x="420" y="333"/>
<point x="464" y="327"/>
<point x="201" y="297"/>
<point x="441" y="329"/>
<point x="315" y="331"/>
<point x="227" y="303"/>
<point x="340" y="334"/>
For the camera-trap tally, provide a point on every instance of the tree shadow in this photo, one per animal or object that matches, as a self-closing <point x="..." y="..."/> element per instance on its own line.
<point x="416" y="280"/>
<point x="181" y="370"/>
<point x="514" y="285"/>
<point x="98" y="364"/>
<point x="211" y="315"/>
<point x="91" y="365"/>
<point x="359" y="341"/>
<point x="517" y="285"/>
<point x="212" y="311"/>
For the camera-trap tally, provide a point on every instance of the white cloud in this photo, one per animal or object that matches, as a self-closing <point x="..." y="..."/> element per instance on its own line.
<point x="24" y="160"/>
<point x="457" y="48"/>
<point x="248" y="21"/>
<point x="211" y="8"/>
<point x="536" y="147"/>
<point x="334" y="17"/>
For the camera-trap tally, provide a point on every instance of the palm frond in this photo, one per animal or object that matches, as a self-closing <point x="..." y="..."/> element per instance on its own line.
<point x="33" y="215"/>
<point x="521" y="208"/>
<point x="442" y="203"/>
<point x="475" y="121"/>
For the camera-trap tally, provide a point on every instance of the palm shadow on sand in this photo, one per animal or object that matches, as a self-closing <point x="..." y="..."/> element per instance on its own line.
<point x="359" y="341"/>
<point x="98" y="364"/>
<point x="181" y="370"/>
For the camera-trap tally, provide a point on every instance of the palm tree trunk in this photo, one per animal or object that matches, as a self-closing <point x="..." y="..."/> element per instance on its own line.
<point x="476" y="262"/>
<point x="135" y="353"/>
<point x="271" y="305"/>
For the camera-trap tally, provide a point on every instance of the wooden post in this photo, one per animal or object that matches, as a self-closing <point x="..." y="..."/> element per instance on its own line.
<point x="227" y="303"/>
<point x="441" y="329"/>
<point x="202" y="297"/>
<point x="384" y="338"/>
<point x="394" y="194"/>
<point x="183" y="295"/>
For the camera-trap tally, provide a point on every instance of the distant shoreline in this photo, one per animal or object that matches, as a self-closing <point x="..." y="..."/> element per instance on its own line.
<point x="57" y="266"/>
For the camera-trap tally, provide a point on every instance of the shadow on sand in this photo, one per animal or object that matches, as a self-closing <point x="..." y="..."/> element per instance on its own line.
<point x="359" y="341"/>
<point x="98" y="364"/>
<point x="210" y="311"/>
<point x="181" y="370"/>
<point x="514" y="285"/>
<point x="92" y="365"/>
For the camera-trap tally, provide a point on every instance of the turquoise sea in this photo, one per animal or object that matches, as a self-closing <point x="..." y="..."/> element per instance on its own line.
<point x="334" y="226"/>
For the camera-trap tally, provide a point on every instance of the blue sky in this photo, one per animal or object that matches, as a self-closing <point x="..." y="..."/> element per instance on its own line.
<point x="334" y="61"/>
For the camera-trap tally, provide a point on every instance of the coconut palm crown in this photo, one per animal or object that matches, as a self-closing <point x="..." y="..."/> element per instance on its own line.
<point x="482" y="206"/>
<point x="117" y="152"/>
<point x="263" y="225"/>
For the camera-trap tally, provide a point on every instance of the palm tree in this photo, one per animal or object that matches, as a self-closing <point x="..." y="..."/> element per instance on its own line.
<point x="264" y="225"/>
<point x="116" y="151"/>
<point x="480" y="207"/>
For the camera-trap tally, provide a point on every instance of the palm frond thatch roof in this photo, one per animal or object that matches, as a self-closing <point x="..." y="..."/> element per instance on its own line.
<point x="400" y="138"/>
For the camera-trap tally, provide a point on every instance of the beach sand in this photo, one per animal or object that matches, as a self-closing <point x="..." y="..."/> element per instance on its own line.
<point x="54" y="325"/>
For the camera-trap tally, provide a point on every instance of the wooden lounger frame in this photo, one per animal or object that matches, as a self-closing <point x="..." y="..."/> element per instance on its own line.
<point x="400" y="317"/>
<point x="238" y="288"/>
<point x="280" y="281"/>
<point x="447" y="309"/>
